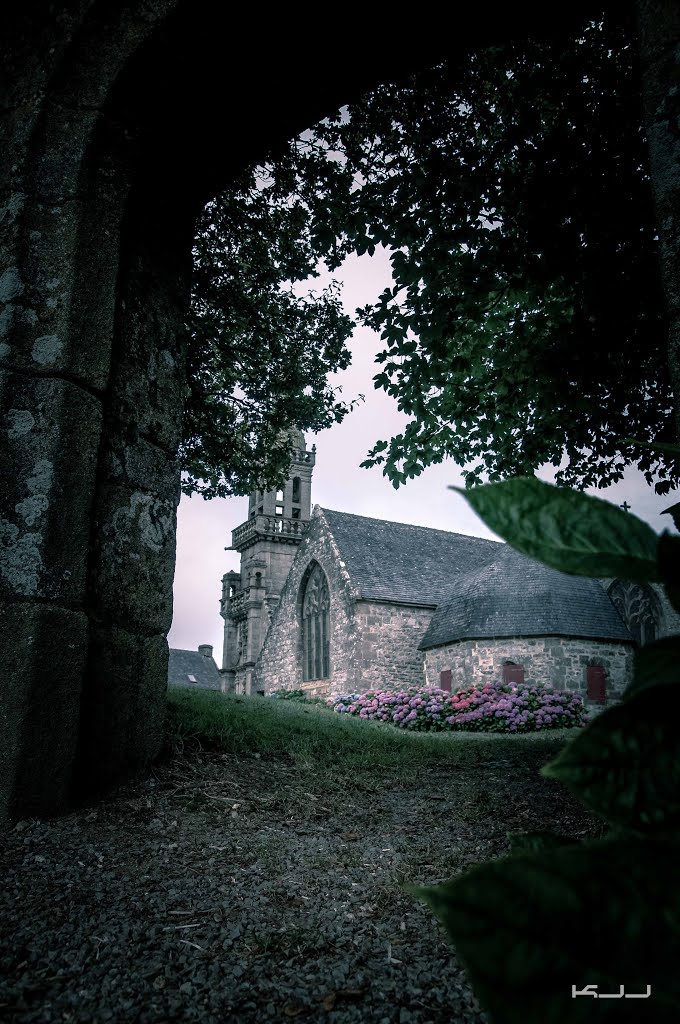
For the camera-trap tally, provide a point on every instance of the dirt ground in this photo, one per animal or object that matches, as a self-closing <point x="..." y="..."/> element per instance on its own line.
<point x="223" y="888"/>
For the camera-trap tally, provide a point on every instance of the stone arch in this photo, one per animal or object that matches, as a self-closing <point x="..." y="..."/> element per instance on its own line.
<point x="97" y="226"/>
<point x="638" y="606"/>
<point x="112" y="149"/>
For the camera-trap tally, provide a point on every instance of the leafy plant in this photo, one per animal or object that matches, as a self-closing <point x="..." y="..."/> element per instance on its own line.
<point x="260" y="350"/>
<point x="296" y="696"/>
<point x="524" y="322"/>
<point x="511" y="190"/>
<point x="606" y="913"/>
<point x="488" y="707"/>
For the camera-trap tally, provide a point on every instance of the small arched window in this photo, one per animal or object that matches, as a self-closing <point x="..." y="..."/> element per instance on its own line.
<point x="316" y="605"/>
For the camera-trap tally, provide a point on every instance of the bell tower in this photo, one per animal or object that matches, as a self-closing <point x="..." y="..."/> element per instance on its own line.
<point x="267" y="543"/>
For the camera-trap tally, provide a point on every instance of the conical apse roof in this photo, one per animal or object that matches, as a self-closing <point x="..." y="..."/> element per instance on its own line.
<point x="516" y="596"/>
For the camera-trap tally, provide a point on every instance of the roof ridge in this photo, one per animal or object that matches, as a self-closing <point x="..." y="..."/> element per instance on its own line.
<point x="411" y="526"/>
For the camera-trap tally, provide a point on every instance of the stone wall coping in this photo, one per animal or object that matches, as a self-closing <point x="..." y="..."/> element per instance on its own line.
<point x="529" y="636"/>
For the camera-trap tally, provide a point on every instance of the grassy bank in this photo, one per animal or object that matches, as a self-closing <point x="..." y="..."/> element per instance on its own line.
<point x="256" y="725"/>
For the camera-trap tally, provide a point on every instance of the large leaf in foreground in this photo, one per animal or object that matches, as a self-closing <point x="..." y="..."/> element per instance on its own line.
<point x="625" y="765"/>
<point x="528" y="927"/>
<point x="674" y="512"/>
<point x="656" y="664"/>
<point x="566" y="529"/>
<point x="668" y="554"/>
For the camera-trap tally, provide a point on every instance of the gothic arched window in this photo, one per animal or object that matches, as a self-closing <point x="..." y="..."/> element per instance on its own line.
<point x="637" y="607"/>
<point x="316" y="603"/>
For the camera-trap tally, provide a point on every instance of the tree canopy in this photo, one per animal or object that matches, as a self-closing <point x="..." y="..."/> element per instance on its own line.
<point x="260" y="349"/>
<point x="524" y="324"/>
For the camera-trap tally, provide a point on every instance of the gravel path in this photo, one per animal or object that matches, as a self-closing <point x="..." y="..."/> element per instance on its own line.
<point x="227" y="889"/>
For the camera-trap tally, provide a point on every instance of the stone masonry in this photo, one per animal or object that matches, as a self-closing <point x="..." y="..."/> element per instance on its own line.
<point x="557" y="662"/>
<point x="267" y="543"/>
<point x="390" y="635"/>
<point x="108" y="155"/>
<point x="280" y="663"/>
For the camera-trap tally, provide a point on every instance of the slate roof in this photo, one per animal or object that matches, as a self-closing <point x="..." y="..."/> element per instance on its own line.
<point x="517" y="596"/>
<point x="405" y="564"/>
<point x="183" y="664"/>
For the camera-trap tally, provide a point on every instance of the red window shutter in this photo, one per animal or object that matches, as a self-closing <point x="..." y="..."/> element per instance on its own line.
<point x="445" y="680"/>
<point x="596" y="683"/>
<point x="513" y="673"/>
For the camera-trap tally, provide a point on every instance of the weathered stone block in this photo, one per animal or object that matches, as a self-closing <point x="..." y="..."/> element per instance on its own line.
<point x="396" y="659"/>
<point x="134" y="555"/>
<point x="48" y="456"/>
<point x="35" y="328"/>
<point x="140" y="465"/>
<point x="123" y="707"/>
<point x="40" y="701"/>
<point x="148" y="376"/>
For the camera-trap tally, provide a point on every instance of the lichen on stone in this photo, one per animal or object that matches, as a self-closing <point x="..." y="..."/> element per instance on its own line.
<point x="47" y="349"/>
<point x="11" y="285"/>
<point x="20" y="421"/>
<point x="21" y="561"/>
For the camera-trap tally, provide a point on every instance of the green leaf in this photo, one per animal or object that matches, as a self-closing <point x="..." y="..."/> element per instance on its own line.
<point x="536" y="842"/>
<point x="656" y="664"/>
<point x="625" y="765"/>
<point x="531" y="926"/>
<point x="668" y="554"/>
<point x="566" y="529"/>
<point x="674" y="511"/>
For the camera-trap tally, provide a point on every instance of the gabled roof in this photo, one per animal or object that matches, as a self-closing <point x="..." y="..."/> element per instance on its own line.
<point x="405" y="564"/>
<point x="516" y="596"/>
<point x="183" y="664"/>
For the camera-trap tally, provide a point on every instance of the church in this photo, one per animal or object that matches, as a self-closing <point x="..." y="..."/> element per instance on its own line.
<point x="334" y="603"/>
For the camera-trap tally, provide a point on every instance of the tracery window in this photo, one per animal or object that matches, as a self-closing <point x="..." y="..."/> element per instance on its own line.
<point x="637" y="607"/>
<point x="316" y="605"/>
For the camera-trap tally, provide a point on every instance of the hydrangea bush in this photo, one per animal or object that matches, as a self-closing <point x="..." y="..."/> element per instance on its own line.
<point x="492" y="707"/>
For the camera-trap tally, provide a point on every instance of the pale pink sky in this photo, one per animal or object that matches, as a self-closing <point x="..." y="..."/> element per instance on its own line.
<point x="204" y="527"/>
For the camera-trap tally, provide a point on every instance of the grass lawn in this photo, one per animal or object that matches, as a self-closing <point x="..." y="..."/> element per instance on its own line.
<point x="312" y="735"/>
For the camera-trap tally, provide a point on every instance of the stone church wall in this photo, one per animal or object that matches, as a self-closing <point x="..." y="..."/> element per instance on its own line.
<point x="554" y="661"/>
<point x="390" y="635"/>
<point x="280" y="662"/>
<point x="669" y="620"/>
